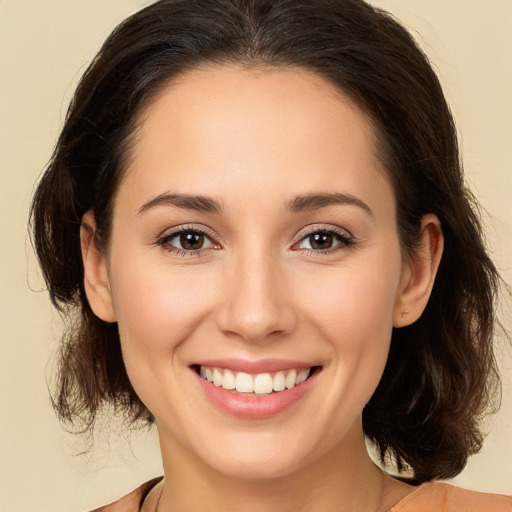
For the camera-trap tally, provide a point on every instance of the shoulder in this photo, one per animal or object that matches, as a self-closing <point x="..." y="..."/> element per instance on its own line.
<point x="132" y="501"/>
<point x="443" y="497"/>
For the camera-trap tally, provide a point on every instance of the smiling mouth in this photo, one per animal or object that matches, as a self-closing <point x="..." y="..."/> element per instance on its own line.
<point x="260" y="384"/>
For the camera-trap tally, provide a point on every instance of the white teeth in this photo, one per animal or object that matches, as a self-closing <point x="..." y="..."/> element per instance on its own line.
<point x="260" y="384"/>
<point x="291" y="379"/>
<point x="263" y="383"/>
<point x="217" y="377"/>
<point x="228" y="380"/>
<point x="244" y="383"/>
<point x="302" y="376"/>
<point x="279" y="381"/>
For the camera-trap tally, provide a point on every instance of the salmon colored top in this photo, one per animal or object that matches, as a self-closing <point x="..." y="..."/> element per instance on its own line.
<point x="428" y="497"/>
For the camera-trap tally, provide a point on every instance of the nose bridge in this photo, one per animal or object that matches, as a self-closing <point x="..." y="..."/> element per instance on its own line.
<point x="254" y="305"/>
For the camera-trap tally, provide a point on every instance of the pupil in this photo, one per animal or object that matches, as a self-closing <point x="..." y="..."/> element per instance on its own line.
<point x="321" y="241"/>
<point x="191" y="241"/>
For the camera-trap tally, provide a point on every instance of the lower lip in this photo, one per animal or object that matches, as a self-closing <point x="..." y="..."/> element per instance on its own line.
<point x="253" y="406"/>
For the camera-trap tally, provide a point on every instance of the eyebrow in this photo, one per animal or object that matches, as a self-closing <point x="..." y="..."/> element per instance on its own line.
<point x="315" y="201"/>
<point x="185" y="201"/>
<point x="207" y="204"/>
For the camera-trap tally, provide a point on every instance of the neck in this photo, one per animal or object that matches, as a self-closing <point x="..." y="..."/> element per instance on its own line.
<point x="345" y="479"/>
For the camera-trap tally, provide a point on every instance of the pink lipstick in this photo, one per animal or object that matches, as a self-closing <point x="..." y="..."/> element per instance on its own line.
<point x="255" y="389"/>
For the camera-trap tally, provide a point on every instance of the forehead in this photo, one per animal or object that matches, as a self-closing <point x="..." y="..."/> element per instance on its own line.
<point x="251" y="129"/>
<point x="273" y="96"/>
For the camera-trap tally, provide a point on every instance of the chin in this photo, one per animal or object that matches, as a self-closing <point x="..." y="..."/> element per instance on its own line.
<point x="249" y="457"/>
<point x="257" y="468"/>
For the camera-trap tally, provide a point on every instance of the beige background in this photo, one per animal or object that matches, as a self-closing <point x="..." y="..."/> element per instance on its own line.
<point x="44" y="47"/>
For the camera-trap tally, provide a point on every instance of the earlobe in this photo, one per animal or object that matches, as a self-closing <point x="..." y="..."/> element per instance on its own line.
<point x="419" y="273"/>
<point x="96" y="280"/>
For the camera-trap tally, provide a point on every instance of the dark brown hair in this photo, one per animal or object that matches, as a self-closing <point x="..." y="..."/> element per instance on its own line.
<point x="441" y="373"/>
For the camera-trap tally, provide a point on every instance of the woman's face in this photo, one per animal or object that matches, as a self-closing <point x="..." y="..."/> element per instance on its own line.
<point x="254" y="237"/>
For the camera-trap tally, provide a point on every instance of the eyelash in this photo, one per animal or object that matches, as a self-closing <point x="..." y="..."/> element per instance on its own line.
<point x="164" y="241"/>
<point x="345" y="241"/>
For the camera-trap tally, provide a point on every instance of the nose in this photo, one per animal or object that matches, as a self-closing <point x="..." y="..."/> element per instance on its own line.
<point x="256" y="302"/>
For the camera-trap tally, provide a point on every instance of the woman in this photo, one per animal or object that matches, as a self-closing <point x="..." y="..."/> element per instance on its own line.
<point x="258" y="210"/>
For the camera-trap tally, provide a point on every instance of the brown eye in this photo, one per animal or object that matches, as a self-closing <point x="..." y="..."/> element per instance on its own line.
<point x="321" y="241"/>
<point x="186" y="241"/>
<point x="325" y="240"/>
<point x="192" y="241"/>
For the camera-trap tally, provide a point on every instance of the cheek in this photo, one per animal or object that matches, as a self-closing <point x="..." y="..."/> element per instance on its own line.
<point x="156" y="307"/>
<point x="354" y="301"/>
<point x="357" y="322"/>
<point x="354" y="313"/>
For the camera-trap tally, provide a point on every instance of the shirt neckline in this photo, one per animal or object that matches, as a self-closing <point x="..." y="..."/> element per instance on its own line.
<point x="148" y="486"/>
<point x="408" y="497"/>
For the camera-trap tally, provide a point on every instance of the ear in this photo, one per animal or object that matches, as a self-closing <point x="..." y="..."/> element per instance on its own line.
<point x="419" y="273"/>
<point x="96" y="280"/>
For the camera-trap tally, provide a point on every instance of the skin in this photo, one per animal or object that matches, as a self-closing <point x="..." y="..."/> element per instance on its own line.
<point x="254" y="140"/>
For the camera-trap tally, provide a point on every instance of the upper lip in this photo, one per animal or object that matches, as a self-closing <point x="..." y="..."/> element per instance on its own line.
<point x="254" y="367"/>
